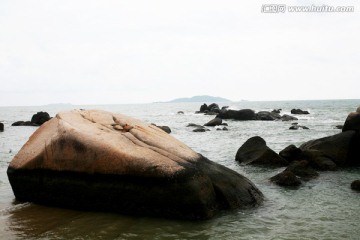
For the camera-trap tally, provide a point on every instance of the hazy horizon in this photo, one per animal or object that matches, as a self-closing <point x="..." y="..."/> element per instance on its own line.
<point x="129" y="52"/>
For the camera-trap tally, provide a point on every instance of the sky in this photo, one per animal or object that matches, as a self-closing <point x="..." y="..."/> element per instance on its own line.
<point x="140" y="51"/>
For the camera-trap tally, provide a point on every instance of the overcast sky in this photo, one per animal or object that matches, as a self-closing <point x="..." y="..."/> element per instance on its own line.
<point x="99" y="52"/>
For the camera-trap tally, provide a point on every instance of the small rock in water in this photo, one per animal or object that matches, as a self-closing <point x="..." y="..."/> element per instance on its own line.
<point x="180" y="112"/>
<point x="1" y="127"/>
<point x="286" y="178"/>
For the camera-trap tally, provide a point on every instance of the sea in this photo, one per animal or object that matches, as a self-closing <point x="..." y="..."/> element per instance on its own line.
<point x="322" y="208"/>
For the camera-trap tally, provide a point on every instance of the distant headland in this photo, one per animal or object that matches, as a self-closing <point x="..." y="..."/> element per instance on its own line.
<point x="202" y="98"/>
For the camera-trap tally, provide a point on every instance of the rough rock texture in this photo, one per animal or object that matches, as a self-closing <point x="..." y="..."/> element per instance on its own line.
<point x="343" y="148"/>
<point x="97" y="160"/>
<point x="255" y="151"/>
<point x="214" y="122"/>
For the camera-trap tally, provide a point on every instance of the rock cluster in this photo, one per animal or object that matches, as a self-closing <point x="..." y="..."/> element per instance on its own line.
<point x="323" y="154"/>
<point x="37" y="120"/>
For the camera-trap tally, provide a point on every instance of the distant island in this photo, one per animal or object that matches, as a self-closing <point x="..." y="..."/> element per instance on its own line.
<point x="203" y="98"/>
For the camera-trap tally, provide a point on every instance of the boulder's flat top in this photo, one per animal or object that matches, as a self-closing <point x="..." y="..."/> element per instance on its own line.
<point x="94" y="141"/>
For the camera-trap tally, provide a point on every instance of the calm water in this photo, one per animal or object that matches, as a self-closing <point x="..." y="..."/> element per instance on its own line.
<point x="324" y="208"/>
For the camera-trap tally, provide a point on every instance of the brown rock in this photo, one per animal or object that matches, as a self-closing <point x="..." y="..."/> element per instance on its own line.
<point x="79" y="159"/>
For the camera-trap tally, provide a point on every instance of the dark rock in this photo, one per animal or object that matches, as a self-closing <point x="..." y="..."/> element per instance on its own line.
<point x="276" y="110"/>
<point x="267" y="116"/>
<point x="294" y="127"/>
<point x="202" y="129"/>
<point x="286" y="178"/>
<point x="355" y="185"/>
<point x="225" y="129"/>
<point x="224" y="107"/>
<point x="140" y="170"/>
<point x="180" y="112"/>
<point x="39" y="118"/>
<point x="298" y="111"/>
<point x="1" y="127"/>
<point x="203" y="108"/>
<point x="291" y="153"/>
<point x="244" y="114"/>
<point x="24" y="123"/>
<point x="286" y="117"/>
<point x="255" y="151"/>
<point x="319" y="160"/>
<point x="165" y="129"/>
<point x="295" y="123"/>
<point x="211" y="113"/>
<point x="214" y="122"/>
<point x="339" y="126"/>
<point x="352" y="122"/>
<point x="342" y="148"/>
<point x="224" y="124"/>
<point x="214" y="108"/>
<point x="302" y="169"/>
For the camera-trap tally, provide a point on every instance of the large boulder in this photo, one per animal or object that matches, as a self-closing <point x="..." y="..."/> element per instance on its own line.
<point x="352" y="122"/>
<point x="255" y="151"/>
<point x="343" y="148"/>
<point x="40" y="117"/>
<point x="214" y="108"/>
<point x="244" y="114"/>
<point x="96" y="160"/>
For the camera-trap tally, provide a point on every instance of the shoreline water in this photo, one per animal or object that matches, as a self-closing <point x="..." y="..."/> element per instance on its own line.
<point x="323" y="208"/>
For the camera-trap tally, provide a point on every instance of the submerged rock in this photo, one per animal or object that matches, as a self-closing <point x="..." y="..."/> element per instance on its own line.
<point x="96" y="160"/>
<point x="287" y="117"/>
<point x="255" y="151"/>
